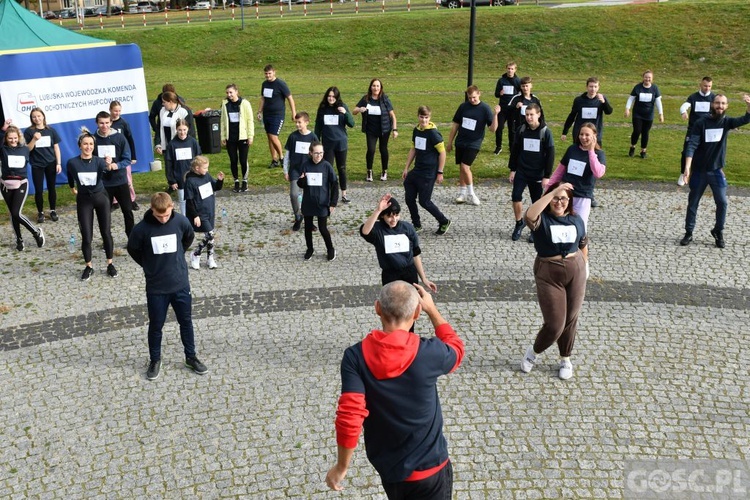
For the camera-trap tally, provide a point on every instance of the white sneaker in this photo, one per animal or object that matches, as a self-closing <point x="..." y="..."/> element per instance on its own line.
<point x="384" y="176"/>
<point x="527" y="363"/>
<point x="211" y="262"/>
<point x="461" y="198"/>
<point x="472" y="199"/>
<point x="566" y="369"/>
<point x="681" y="180"/>
<point x="195" y="261"/>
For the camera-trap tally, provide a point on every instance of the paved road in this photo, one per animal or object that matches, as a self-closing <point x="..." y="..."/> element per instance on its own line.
<point x="660" y="362"/>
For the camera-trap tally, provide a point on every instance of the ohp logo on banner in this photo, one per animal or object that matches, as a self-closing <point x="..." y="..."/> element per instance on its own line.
<point x="686" y="479"/>
<point x="26" y="102"/>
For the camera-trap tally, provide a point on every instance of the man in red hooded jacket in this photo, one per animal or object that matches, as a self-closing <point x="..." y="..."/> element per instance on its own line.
<point x="389" y="387"/>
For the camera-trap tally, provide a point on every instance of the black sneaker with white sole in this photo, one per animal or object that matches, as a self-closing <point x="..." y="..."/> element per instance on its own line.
<point x="154" y="367"/>
<point x="195" y="365"/>
<point x="87" y="272"/>
<point x="112" y="271"/>
<point x="39" y="237"/>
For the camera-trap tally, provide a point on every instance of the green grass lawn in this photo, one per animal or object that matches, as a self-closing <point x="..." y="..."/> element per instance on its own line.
<point x="421" y="57"/>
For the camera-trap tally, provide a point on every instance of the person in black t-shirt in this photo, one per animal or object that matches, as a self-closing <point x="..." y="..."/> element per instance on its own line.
<point x="469" y="122"/>
<point x="644" y="98"/>
<point x="271" y="111"/>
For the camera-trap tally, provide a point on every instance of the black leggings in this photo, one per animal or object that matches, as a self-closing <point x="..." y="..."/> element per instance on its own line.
<point x="122" y="193"/>
<point x="15" y="198"/>
<point x="86" y="205"/>
<point x="322" y="227"/>
<point x="340" y="156"/>
<point x="237" y="151"/>
<point x="372" y="139"/>
<point x="641" y="128"/>
<point x="38" y="174"/>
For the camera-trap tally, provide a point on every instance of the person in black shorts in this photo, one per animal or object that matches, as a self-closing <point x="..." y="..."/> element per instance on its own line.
<point x="531" y="160"/>
<point x="273" y="92"/>
<point x="469" y="122"/>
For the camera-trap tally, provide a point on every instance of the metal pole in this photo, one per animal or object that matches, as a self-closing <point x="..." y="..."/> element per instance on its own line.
<point x="472" y="30"/>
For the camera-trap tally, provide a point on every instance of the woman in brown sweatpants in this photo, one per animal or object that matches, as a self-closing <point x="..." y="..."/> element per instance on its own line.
<point x="560" y="273"/>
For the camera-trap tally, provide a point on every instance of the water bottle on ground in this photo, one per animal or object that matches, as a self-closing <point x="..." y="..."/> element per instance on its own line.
<point x="224" y="217"/>
<point x="72" y="244"/>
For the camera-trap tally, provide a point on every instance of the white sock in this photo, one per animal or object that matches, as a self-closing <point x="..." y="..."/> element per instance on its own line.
<point x="462" y="190"/>
<point x="470" y="189"/>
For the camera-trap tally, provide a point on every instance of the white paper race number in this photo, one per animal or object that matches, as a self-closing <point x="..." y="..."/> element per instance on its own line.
<point x="396" y="243"/>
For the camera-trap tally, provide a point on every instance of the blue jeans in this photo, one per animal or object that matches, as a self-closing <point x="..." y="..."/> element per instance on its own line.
<point x="698" y="183"/>
<point x="182" y="304"/>
<point x="416" y="185"/>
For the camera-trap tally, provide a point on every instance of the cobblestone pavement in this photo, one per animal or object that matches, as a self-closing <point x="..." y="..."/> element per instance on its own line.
<point x="660" y="362"/>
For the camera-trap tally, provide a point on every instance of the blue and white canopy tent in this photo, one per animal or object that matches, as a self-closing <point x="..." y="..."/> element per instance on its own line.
<point x="71" y="77"/>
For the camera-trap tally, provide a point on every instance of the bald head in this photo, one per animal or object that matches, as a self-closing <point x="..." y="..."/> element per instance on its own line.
<point x="398" y="300"/>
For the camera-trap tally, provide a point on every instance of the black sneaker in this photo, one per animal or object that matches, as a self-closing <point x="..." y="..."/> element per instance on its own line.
<point x="236" y="188"/>
<point x="274" y="164"/>
<point x="418" y="228"/>
<point x="153" y="369"/>
<point x="686" y="239"/>
<point x="344" y="199"/>
<point x="644" y="155"/>
<point x="53" y="216"/>
<point x="498" y="150"/>
<point x="297" y="225"/>
<point x="315" y="228"/>
<point x="111" y="271"/>
<point x="594" y="203"/>
<point x="195" y="365"/>
<point x="39" y="237"/>
<point x="309" y="253"/>
<point x="517" y="230"/>
<point x="718" y="237"/>
<point x="631" y="151"/>
<point x="19" y="244"/>
<point x="331" y="254"/>
<point x="87" y="272"/>
<point x="243" y="189"/>
<point x="40" y="217"/>
<point x="443" y="228"/>
<point x="135" y="207"/>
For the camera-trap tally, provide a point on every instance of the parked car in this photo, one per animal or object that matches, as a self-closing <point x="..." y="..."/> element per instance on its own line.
<point x="202" y="5"/>
<point x="67" y="14"/>
<point x="457" y="4"/>
<point x="50" y="15"/>
<point x="144" y="7"/>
